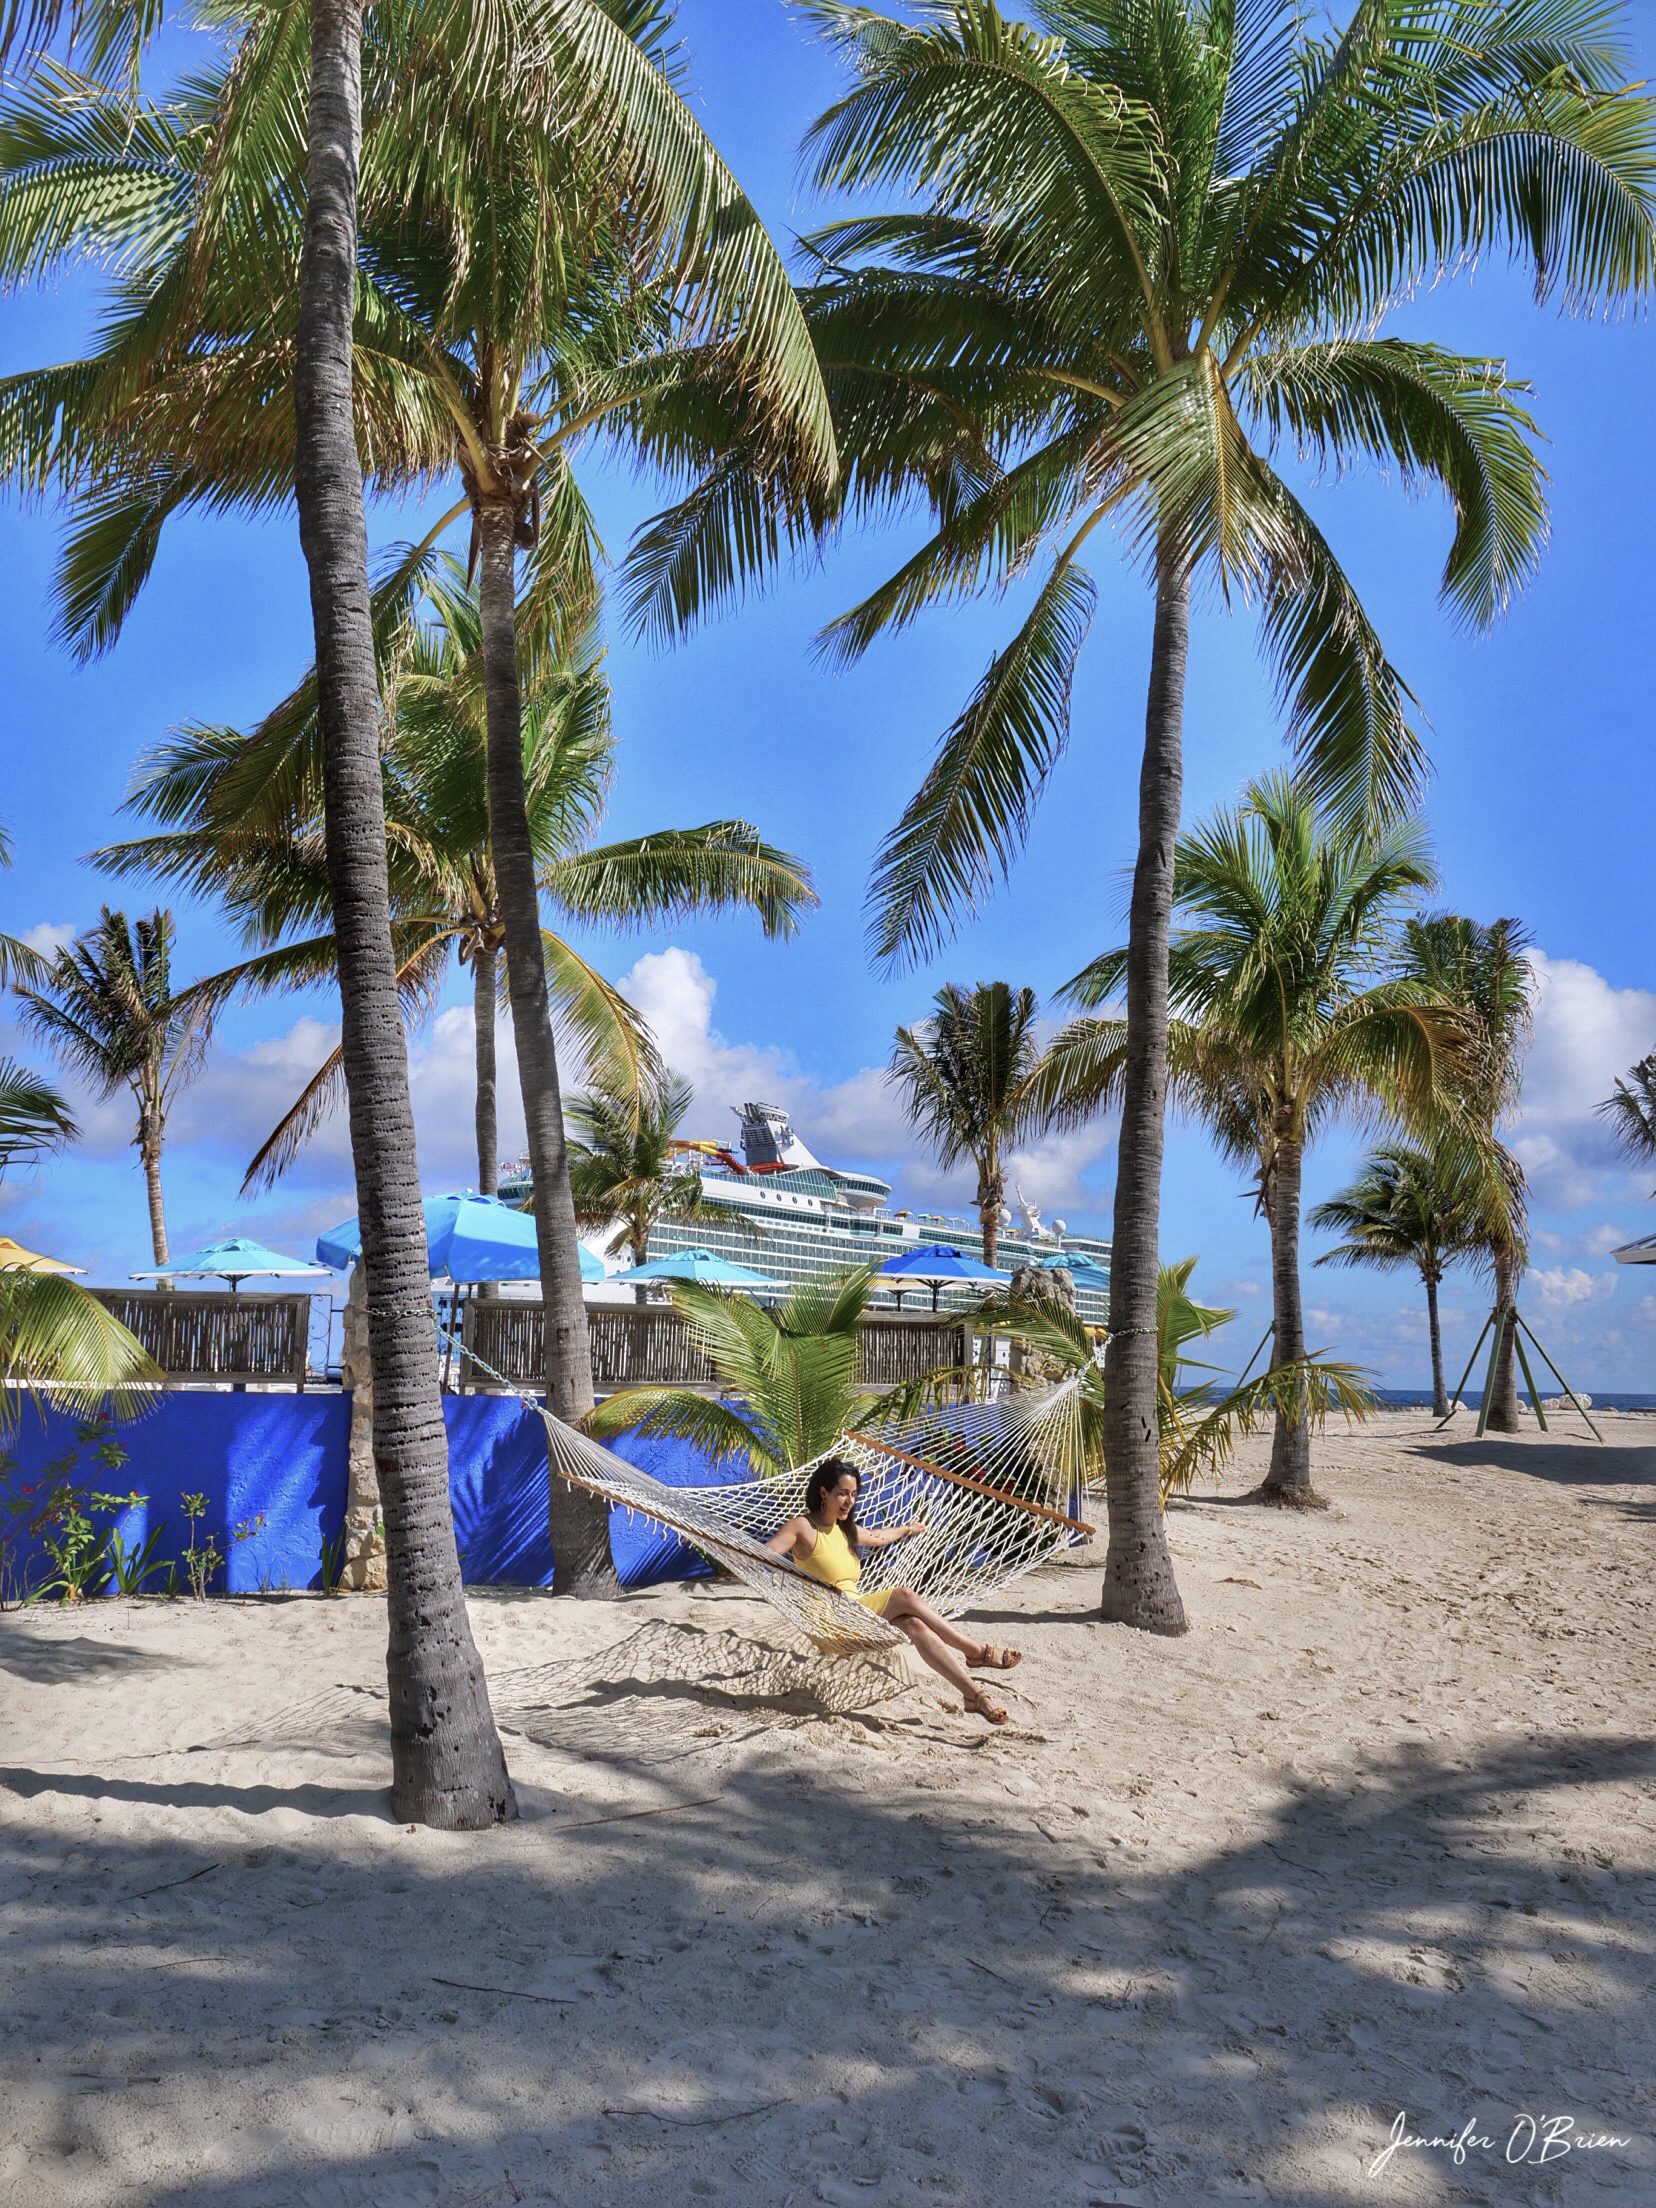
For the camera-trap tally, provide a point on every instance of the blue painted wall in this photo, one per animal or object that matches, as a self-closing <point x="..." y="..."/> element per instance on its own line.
<point x="282" y="1458"/>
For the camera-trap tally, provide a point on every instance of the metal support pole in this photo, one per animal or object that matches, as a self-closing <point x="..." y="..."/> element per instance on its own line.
<point x="1529" y="1379"/>
<point x="1454" y="1400"/>
<point x="1559" y="1377"/>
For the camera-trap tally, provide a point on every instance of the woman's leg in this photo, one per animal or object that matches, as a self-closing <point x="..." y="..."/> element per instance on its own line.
<point x="905" y="1605"/>
<point x="948" y="1665"/>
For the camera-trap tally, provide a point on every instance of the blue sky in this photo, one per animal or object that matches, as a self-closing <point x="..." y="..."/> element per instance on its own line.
<point x="1541" y="806"/>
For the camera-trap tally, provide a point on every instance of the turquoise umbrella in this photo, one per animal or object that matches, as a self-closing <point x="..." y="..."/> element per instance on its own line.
<point x="236" y="1259"/>
<point x="1081" y="1269"/>
<point x="703" y="1265"/>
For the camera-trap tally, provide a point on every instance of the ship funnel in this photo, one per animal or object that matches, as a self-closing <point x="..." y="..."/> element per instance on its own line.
<point x="769" y="1141"/>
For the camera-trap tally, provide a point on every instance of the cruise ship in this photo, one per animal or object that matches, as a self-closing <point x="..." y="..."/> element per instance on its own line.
<point x="810" y="1221"/>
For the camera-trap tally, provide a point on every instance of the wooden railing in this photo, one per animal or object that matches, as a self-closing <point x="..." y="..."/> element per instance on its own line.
<point x="194" y="1336"/>
<point x="652" y="1345"/>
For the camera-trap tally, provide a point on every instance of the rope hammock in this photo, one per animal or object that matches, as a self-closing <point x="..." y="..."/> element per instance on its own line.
<point x="983" y="1477"/>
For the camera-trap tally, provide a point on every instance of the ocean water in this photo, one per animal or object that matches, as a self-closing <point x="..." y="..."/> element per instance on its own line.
<point x="1408" y="1399"/>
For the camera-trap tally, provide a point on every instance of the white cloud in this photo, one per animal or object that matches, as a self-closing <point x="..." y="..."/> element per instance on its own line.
<point x="48" y="937"/>
<point x="1587" y="1033"/>
<point x="858" y="1121"/>
<point x="1560" y="1286"/>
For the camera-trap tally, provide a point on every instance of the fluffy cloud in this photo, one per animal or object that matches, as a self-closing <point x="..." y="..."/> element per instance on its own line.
<point x="1586" y="1034"/>
<point x="856" y="1122"/>
<point x="49" y="936"/>
<point x="1561" y="1286"/>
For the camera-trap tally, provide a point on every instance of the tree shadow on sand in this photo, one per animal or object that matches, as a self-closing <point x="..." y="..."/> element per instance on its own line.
<point x="799" y="1987"/>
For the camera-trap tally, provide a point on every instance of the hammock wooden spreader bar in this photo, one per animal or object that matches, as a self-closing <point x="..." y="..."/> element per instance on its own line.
<point x="979" y="1533"/>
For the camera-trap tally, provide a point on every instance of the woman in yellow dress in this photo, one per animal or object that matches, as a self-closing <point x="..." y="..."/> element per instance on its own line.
<point x="826" y="1542"/>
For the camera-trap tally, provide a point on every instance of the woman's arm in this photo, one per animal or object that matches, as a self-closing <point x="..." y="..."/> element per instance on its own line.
<point x="881" y="1537"/>
<point x="785" y="1542"/>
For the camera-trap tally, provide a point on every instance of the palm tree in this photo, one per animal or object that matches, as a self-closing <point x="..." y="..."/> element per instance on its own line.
<point x="1198" y="1423"/>
<point x="1409" y="1205"/>
<point x="792" y="1372"/>
<point x="243" y="823"/>
<point x="1136" y="246"/>
<point x="567" y="252"/>
<point x="1282" y="1017"/>
<point x="1631" y="1109"/>
<point x="625" y="1172"/>
<point x="962" y="1073"/>
<point x="109" y="1013"/>
<point x="1485" y="972"/>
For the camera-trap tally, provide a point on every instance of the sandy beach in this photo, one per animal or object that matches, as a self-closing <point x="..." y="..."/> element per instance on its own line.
<point x="1376" y="1837"/>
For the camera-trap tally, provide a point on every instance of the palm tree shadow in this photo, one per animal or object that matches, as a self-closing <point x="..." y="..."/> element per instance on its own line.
<point x="1380" y="1941"/>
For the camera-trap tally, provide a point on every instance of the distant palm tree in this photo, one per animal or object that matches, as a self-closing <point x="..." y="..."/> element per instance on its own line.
<point x="963" y="1075"/>
<point x="1282" y="1018"/>
<point x="1631" y="1109"/>
<point x="1198" y="1422"/>
<point x="1131" y="249"/>
<point x="109" y="1013"/>
<point x="623" y="1167"/>
<point x="792" y="1372"/>
<point x="1485" y="971"/>
<point x="242" y="819"/>
<point x="1409" y="1205"/>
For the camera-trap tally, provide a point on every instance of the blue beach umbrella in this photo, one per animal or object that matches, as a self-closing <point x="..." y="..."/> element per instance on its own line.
<point x="235" y="1259"/>
<point x="703" y="1265"/>
<point x="935" y="1263"/>
<point x="469" y="1238"/>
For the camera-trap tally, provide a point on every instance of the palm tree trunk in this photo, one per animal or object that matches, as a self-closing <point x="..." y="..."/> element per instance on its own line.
<point x="149" y="1149"/>
<point x="1503" y="1385"/>
<point x="579" y="1522"/>
<point x="483" y="1019"/>
<point x="1440" y="1394"/>
<point x="446" y="1762"/>
<point x="991" y="1194"/>
<point x="1139" y="1586"/>
<point x="1288" y="1481"/>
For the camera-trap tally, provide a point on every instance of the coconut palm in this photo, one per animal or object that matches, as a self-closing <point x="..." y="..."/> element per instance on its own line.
<point x="1198" y="1422"/>
<point x="1485" y="971"/>
<point x="1631" y="1109"/>
<point x="564" y="253"/>
<point x="1283" y="1016"/>
<point x="1135" y="247"/>
<point x="1409" y="1205"/>
<point x="243" y="819"/>
<point x="515" y="298"/>
<point x="109" y="1013"/>
<point x="792" y="1372"/>
<point x="962" y="1074"/>
<point x="625" y="1171"/>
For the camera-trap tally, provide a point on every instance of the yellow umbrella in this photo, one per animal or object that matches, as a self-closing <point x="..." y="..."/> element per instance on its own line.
<point x="14" y="1258"/>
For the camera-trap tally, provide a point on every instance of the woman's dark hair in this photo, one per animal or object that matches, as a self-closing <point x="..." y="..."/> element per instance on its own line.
<point x="829" y="1473"/>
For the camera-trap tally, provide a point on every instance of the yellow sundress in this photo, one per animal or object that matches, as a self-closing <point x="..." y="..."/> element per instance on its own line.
<point x="836" y="1564"/>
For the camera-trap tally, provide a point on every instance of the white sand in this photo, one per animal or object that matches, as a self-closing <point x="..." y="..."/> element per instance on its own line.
<point x="1376" y="1836"/>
